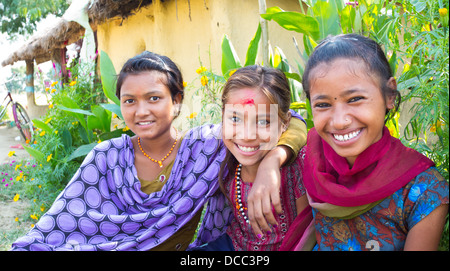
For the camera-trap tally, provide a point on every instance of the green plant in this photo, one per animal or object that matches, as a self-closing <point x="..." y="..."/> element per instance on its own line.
<point x="212" y="83"/>
<point x="414" y="35"/>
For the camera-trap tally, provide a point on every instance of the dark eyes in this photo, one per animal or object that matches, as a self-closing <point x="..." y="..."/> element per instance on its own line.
<point x="325" y="104"/>
<point x="355" y="99"/>
<point x="152" y="99"/>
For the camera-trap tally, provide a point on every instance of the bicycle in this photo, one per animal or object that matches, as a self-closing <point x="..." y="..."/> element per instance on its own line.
<point x="21" y="118"/>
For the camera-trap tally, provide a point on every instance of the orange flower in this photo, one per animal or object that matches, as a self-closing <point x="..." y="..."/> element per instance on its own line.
<point x="204" y="80"/>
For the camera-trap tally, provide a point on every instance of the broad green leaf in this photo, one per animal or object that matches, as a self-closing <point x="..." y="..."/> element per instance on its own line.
<point x="252" y="50"/>
<point x="66" y="139"/>
<point x="393" y="62"/>
<point x="280" y="60"/>
<point x="293" y="75"/>
<point x="104" y="116"/>
<point x="39" y="156"/>
<point x="85" y="134"/>
<point x="328" y="18"/>
<point x="81" y="151"/>
<point x="294" y="21"/>
<point x="112" y="134"/>
<point x="71" y="108"/>
<point x="348" y="15"/>
<point x="419" y="5"/>
<point x="108" y="77"/>
<point x="230" y="59"/>
<point x="114" y="108"/>
<point x="41" y="125"/>
<point x="75" y="110"/>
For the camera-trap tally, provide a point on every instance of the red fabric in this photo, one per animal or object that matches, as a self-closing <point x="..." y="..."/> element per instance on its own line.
<point x="378" y="172"/>
<point x="296" y="230"/>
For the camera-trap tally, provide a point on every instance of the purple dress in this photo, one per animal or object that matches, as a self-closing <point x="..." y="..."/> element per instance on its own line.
<point x="103" y="207"/>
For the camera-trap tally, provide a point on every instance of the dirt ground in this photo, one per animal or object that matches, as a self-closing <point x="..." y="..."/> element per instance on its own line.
<point x="8" y="143"/>
<point x="9" y="209"/>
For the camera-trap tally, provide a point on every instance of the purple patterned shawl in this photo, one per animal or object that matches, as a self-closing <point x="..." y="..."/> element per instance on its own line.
<point x="103" y="207"/>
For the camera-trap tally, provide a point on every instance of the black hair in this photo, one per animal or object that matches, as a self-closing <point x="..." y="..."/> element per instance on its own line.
<point x="148" y="61"/>
<point x="353" y="46"/>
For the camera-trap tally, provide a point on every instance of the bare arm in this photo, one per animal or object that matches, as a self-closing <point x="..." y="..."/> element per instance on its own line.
<point x="426" y="234"/>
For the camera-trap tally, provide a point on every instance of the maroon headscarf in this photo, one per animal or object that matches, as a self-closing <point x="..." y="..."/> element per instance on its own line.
<point x="378" y="172"/>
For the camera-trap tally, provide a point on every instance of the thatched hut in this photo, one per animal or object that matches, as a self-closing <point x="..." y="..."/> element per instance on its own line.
<point x="50" y="44"/>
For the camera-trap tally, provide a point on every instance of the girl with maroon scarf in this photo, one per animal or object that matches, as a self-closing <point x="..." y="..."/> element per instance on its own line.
<point x="367" y="190"/>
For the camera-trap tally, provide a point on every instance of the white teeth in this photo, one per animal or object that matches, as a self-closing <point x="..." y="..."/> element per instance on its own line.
<point x="247" y="149"/>
<point x="145" y="123"/>
<point x="347" y="136"/>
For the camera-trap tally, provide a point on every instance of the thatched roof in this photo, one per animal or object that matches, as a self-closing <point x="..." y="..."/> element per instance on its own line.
<point x="62" y="33"/>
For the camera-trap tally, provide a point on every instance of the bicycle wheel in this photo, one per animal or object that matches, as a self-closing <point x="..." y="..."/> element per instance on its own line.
<point x="23" y="122"/>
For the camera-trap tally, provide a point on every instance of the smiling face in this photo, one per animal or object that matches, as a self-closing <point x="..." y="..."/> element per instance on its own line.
<point x="348" y="106"/>
<point x="251" y="125"/>
<point x="146" y="104"/>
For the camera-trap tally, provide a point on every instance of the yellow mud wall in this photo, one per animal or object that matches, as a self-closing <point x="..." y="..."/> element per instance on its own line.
<point x="188" y="33"/>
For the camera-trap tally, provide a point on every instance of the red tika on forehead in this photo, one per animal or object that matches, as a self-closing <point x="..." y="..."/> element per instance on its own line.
<point x="247" y="101"/>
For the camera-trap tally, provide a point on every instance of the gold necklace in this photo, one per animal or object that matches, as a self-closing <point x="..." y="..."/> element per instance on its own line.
<point x="167" y="155"/>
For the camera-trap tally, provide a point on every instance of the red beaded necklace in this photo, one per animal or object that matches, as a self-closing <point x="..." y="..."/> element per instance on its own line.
<point x="239" y="194"/>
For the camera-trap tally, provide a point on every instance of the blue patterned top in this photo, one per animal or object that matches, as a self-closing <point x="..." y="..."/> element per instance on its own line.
<point x="386" y="225"/>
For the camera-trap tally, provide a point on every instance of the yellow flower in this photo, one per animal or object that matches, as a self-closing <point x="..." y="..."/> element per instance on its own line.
<point x="16" y="219"/>
<point x="184" y="84"/>
<point x="54" y="84"/>
<point x="200" y="70"/>
<point x="443" y="11"/>
<point x="437" y="125"/>
<point x="50" y="106"/>
<point x="17" y="166"/>
<point x="125" y="129"/>
<point x="16" y="197"/>
<point x="42" y="208"/>
<point x="115" y="126"/>
<point x="114" y="116"/>
<point x="42" y="133"/>
<point x="204" y="80"/>
<point x="72" y="83"/>
<point x="39" y="186"/>
<point x="11" y="153"/>
<point x="47" y="89"/>
<point x="19" y="177"/>
<point x="34" y="217"/>
<point x="233" y="71"/>
<point x="47" y="121"/>
<point x="27" y="141"/>
<point x="53" y="90"/>
<point x="56" y="131"/>
<point x="49" y="157"/>
<point x="193" y="115"/>
<point x="99" y="141"/>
